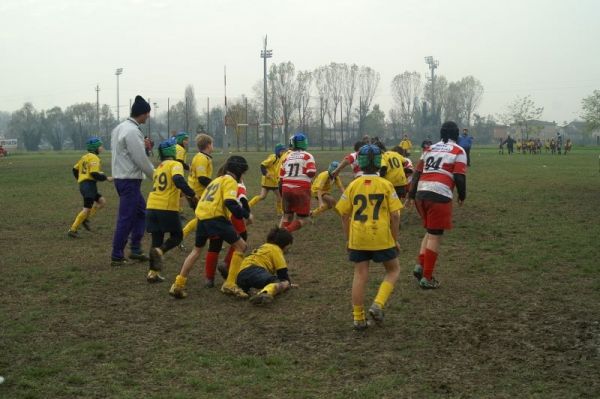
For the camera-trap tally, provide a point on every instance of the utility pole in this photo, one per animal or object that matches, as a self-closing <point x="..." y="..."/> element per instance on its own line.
<point x="433" y="64"/>
<point x="155" y="112"/>
<point x="207" y="115"/>
<point x="118" y="72"/>
<point x="149" y="122"/>
<point x="168" y="116"/>
<point x="264" y="54"/>
<point x="98" y="107"/>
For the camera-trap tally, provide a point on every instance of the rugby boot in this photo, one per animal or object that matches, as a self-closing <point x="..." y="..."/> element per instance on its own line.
<point x="429" y="284"/>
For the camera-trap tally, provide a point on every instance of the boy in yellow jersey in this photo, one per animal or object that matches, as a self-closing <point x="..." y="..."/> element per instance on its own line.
<point x="370" y="216"/>
<point x="321" y="189"/>
<point x="217" y="204"/>
<point x="393" y="166"/>
<point x="88" y="171"/>
<point x="200" y="173"/>
<point x="182" y="139"/>
<point x="406" y="144"/>
<point x="162" y="209"/>
<point x="269" y="168"/>
<point x="265" y="269"/>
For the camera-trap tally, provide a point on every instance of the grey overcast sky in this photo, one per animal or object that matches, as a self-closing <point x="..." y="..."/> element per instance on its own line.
<point x="54" y="52"/>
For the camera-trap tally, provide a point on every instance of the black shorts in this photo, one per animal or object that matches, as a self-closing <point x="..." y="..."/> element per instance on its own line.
<point x="255" y="277"/>
<point x="161" y="221"/>
<point x="400" y="191"/>
<point x="89" y="192"/>
<point x="379" y="256"/>
<point x="215" y="228"/>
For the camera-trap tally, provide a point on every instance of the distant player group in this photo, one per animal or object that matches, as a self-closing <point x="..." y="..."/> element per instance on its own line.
<point x="369" y="208"/>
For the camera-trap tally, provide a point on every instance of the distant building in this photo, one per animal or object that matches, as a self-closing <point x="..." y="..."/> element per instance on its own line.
<point x="577" y="132"/>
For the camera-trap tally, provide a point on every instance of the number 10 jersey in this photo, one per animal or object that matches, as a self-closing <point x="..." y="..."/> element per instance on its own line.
<point x="438" y="165"/>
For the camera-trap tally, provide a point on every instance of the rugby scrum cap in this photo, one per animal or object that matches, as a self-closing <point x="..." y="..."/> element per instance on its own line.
<point x="278" y="148"/>
<point x="333" y="166"/>
<point x="300" y="141"/>
<point x="236" y="165"/>
<point x="181" y="136"/>
<point x="369" y="155"/>
<point x="168" y="148"/>
<point x="93" y="143"/>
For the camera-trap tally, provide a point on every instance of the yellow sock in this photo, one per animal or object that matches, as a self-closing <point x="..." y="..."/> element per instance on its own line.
<point x="92" y="212"/>
<point x="279" y="207"/>
<point x="234" y="268"/>
<point x="385" y="290"/>
<point x="180" y="281"/>
<point x="271" y="289"/>
<point x="81" y="216"/>
<point x="189" y="227"/>
<point x="254" y="201"/>
<point x="319" y="210"/>
<point x="358" y="311"/>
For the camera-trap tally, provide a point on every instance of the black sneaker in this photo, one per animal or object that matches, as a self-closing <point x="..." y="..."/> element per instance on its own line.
<point x="118" y="261"/>
<point x="86" y="225"/>
<point x="73" y="234"/>
<point x="360" y="325"/>
<point x="154" y="277"/>
<point x="376" y="315"/>
<point x="209" y="283"/>
<point x="139" y="256"/>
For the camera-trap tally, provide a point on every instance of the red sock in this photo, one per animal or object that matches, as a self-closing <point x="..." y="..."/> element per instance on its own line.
<point x="228" y="256"/>
<point x="429" y="263"/>
<point x="285" y="225"/>
<point x="293" y="226"/>
<point x="421" y="259"/>
<point x="210" y="265"/>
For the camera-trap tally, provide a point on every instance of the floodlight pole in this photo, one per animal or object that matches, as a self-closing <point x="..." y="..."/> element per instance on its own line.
<point x="264" y="54"/>
<point x="155" y="112"/>
<point x="118" y="72"/>
<point x="98" y="107"/>
<point x="433" y="64"/>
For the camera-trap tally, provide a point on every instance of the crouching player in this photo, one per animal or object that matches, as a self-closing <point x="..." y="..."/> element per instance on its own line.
<point x="88" y="171"/>
<point x="265" y="268"/>
<point x="370" y="211"/>
<point x="162" y="209"/>
<point x="269" y="168"/>
<point x="217" y="204"/>
<point x="321" y="189"/>
<point x="442" y="166"/>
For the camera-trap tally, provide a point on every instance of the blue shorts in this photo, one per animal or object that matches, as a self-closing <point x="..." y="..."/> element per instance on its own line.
<point x="89" y="192"/>
<point x="255" y="277"/>
<point x="379" y="256"/>
<point x="215" y="228"/>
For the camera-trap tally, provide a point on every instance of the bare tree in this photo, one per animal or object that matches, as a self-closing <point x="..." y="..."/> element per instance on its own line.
<point x="472" y="92"/>
<point x="349" y="79"/>
<point x="192" y="120"/>
<point x="335" y="88"/>
<point x="304" y="81"/>
<point x="591" y="111"/>
<point x="320" y="78"/>
<point x="368" y="80"/>
<point x="406" y="90"/>
<point x="282" y="78"/>
<point x="439" y="98"/>
<point x="453" y="103"/>
<point x="520" y="112"/>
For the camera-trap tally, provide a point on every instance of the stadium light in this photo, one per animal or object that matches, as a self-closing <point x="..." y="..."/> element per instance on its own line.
<point x="118" y="72"/>
<point x="264" y="54"/>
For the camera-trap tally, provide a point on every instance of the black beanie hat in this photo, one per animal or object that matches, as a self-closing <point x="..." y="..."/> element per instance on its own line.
<point x="139" y="107"/>
<point x="449" y="130"/>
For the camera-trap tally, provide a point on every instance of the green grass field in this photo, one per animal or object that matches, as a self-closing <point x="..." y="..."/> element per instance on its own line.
<point x="518" y="314"/>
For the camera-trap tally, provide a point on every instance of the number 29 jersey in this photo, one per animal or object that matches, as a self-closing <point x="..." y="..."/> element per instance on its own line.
<point x="165" y="195"/>
<point x="438" y="165"/>
<point x="368" y="201"/>
<point x="294" y="171"/>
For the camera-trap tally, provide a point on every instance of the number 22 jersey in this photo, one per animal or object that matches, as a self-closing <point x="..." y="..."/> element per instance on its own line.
<point x="438" y="165"/>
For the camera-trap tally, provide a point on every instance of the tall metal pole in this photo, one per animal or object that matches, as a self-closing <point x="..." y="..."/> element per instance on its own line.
<point x="155" y="113"/>
<point x="98" y="107"/>
<point x="118" y="72"/>
<point x="246" y="128"/>
<point x="168" y="116"/>
<point x="225" y="143"/>
<point x="264" y="54"/>
<point x="207" y="114"/>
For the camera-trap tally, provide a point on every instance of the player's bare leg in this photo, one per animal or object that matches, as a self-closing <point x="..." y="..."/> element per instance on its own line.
<point x="359" y="283"/>
<point x="178" y="288"/>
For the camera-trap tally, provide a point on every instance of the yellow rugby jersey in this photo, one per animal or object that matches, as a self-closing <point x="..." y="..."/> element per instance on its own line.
<point x="368" y="201"/>
<point x="201" y="166"/>
<point x="165" y="195"/>
<point x="272" y="164"/>
<point x="323" y="182"/>
<point x="268" y="256"/>
<point x="212" y="202"/>
<point x="395" y="168"/>
<point x="86" y="165"/>
<point x="180" y="153"/>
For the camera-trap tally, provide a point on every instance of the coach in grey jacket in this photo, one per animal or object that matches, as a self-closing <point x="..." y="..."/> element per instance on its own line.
<point x="129" y="165"/>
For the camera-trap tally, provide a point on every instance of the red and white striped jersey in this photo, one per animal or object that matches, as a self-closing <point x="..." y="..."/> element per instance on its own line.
<point x="297" y="171"/>
<point x="408" y="165"/>
<point x="438" y="165"/>
<point x="241" y="192"/>
<point x="352" y="159"/>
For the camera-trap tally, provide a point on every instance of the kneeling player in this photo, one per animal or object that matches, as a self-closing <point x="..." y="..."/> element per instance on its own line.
<point x="88" y="171"/>
<point x="162" y="209"/>
<point x="265" y="268"/>
<point x="218" y="203"/>
<point x="442" y="166"/>
<point x="321" y="189"/>
<point x="370" y="211"/>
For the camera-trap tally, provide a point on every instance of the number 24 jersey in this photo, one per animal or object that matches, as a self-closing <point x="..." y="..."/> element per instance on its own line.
<point x="368" y="201"/>
<point x="165" y="195"/>
<point x="438" y="165"/>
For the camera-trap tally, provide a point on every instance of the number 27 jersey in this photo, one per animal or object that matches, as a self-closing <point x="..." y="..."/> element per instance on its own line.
<point x="438" y="165"/>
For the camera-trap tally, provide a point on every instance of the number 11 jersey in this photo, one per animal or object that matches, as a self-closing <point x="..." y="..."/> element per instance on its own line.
<point x="295" y="169"/>
<point x="368" y="201"/>
<point x="438" y="165"/>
